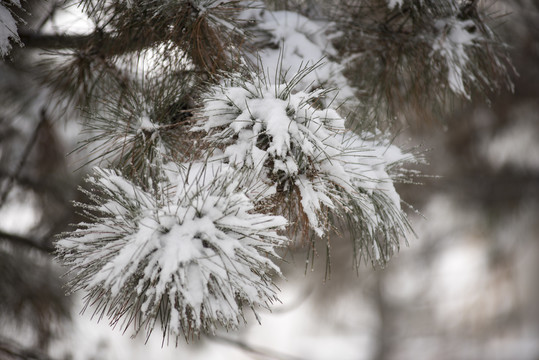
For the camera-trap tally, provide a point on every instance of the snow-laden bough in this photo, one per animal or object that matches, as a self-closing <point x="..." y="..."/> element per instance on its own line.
<point x="317" y="172"/>
<point x="191" y="256"/>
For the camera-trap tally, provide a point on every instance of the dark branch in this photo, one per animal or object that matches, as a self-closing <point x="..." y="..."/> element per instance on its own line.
<point x="10" y="350"/>
<point x="45" y="187"/>
<point x="24" y="157"/>
<point x="256" y="350"/>
<point x="98" y="41"/>
<point x="32" y="39"/>
<point x="28" y="242"/>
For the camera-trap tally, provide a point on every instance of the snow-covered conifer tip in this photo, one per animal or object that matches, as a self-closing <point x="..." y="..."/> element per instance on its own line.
<point x="190" y="257"/>
<point x="317" y="173"/>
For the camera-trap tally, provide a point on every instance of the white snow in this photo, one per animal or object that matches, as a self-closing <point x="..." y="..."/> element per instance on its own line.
<point x="451" y="44"/>
<point x="8" y="28"/>
<point x="301" y="42"/>
<point x="272" y="133"/>
<point x="394" y="3"/>
<point x="146" y="126"/>
<point x="200" y="246"/>
<point x="176" y="249"/>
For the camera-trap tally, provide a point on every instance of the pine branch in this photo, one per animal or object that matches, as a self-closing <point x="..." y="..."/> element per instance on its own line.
<point x="220" y="266"/>
<point x="204" y="31"/>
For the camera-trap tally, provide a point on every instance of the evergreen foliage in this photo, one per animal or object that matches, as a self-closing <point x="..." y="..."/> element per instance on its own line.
<point x="219" y="137"/>
<point x="415" y="58"/>
<point x="191" y="256"/>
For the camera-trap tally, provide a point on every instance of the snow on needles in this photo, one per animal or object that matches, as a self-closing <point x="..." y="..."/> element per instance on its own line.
<point x="394" y="3"/>
<point x="8" y="26"/>
<point x="297" y="41"/>
<point x="192" y="256"/>
<point x="307" y="158"/>
<point x="455" y="36"/>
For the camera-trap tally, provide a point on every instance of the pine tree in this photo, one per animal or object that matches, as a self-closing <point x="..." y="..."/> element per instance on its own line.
<point x="218" y="134"/>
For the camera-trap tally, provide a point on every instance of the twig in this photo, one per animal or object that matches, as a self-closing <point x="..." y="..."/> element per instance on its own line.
<point x="257" y="350"/>
<point x="50" y="14"/>
<point x="25" y="241"/>
<point x="102" y="42"/>
<point x="39" y="187"/>
<point x="12" y="351"/>
<point x="23" y="159"/>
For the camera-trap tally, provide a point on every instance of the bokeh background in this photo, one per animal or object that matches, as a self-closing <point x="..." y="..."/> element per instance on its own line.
<point x="466" y="286"/>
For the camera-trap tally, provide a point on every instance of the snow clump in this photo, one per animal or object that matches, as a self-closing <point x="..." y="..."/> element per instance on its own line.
<point x="191" y="256"/>
<point x="316" y="171"/>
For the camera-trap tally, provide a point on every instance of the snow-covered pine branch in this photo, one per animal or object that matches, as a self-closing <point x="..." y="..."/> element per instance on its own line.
<point x="413" y="59"/>
<point x="317" y="173"/>
<point x="289" y="40"/>
<point x="184" y="230"/>
<point x="191" y="256"/>
<point x="140" y="128"/>
<point x="206" y="33"/>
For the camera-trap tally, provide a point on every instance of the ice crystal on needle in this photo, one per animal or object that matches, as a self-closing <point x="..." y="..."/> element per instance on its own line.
<point x="192" y="259"/>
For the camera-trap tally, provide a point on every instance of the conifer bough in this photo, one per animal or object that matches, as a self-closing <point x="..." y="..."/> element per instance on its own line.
<point x="208" y="165"/>
<point x="190" y="256"/>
